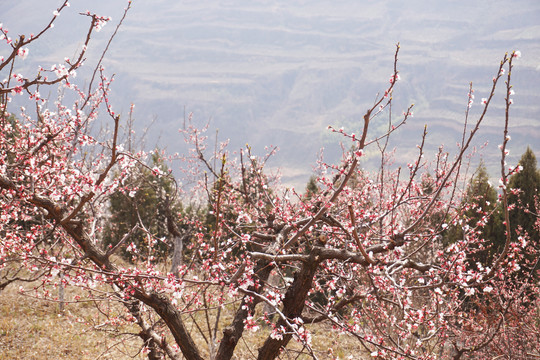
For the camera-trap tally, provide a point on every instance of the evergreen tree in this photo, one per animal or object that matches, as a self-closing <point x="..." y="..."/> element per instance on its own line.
<point x="479" y="216"/>
<point x="524" y="192"/>
<point x="143" y="202"/>
<point x="527" y="182"/>
<point x="312" y="188"/>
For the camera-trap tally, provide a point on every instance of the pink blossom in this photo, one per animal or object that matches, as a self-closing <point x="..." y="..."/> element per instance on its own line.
<point x="22" y="53"/>
<point x="394" y="78"/>
<point x="469" y="291"/>
<point x="251" y="324"/>
<point x="59" y="70"/>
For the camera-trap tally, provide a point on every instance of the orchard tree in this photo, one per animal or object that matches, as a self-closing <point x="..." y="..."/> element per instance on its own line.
<point x="359" y="245"/>
<point x="38" y="134"/>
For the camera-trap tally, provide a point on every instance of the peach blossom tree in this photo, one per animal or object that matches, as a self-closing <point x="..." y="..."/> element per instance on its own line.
<point x="363" y="257"/>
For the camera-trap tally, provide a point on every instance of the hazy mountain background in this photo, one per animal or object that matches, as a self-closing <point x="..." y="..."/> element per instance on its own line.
<point x="279" y="72"/>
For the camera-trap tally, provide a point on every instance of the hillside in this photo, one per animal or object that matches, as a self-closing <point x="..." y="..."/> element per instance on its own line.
<point x="273" y="72"/>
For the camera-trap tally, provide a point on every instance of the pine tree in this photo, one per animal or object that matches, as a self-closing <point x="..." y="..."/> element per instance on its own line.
<point x="145" y="205"/>
<point x="312" y="188"/>
<point x="524" y="193"/>
<point x="528" y="182"/>
<point x="479" y="217"/>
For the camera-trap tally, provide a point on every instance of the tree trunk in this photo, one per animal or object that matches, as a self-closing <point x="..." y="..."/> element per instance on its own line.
<point x="166" y="310"/>
<point x="293" y="304"/>
<point x="61" y="292"/>
<point x="233" y="333"/>
<point x="177" y="258"/>
<point x="273" y="280"/>
<point x="177" y="239"/>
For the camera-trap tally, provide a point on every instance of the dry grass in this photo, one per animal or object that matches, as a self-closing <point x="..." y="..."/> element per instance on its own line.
<point x="36" y="329"/>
